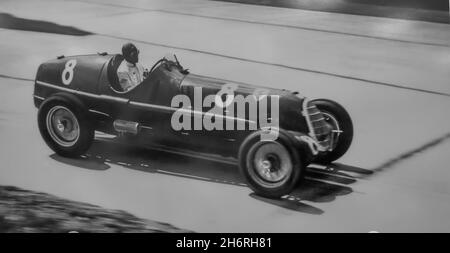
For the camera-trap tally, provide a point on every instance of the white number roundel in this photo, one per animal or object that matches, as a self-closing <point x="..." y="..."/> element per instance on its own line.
<point x="67" y="74"/>
<point x="228" y="91"/>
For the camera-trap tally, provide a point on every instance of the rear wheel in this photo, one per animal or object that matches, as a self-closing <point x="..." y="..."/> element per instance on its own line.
<point x="342" y="129"/>
<point x="65" y="127"/>
<point x="271" y="168"/>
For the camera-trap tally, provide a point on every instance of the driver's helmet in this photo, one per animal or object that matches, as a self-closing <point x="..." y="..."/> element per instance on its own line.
<point x="130" y="53"/>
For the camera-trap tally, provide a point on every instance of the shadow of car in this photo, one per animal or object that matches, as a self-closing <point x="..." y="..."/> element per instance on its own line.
<point x="321" y="183"/>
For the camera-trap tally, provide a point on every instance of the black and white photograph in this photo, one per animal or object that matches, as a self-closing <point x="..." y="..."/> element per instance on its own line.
<point x="224" y="116"/>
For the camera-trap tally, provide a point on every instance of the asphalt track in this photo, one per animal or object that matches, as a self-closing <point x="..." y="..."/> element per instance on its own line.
<point x="392" y="76"/>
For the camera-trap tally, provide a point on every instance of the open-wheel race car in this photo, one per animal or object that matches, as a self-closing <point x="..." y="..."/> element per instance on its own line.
<point x="79" y="95"/>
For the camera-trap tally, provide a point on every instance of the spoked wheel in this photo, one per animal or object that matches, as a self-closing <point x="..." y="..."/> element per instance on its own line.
<point x="65" y="127"/>
<point x="341" y="129"/>
<point x="336" y="129"/>
<point x="271" y="168"/>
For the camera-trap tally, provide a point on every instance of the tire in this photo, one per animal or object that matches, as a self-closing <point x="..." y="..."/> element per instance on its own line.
<point x="281" y="156"/>
<point x="334" y="114"/>
<point x="65" y="126"/>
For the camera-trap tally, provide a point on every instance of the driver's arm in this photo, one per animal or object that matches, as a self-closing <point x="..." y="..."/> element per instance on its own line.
<point x="143" y="72"/>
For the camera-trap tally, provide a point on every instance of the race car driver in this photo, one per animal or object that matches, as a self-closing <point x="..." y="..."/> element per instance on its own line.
<point x="130" y="71"/>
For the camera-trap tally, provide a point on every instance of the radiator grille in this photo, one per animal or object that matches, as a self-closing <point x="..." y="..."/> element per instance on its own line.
<point x="317" y="126"/>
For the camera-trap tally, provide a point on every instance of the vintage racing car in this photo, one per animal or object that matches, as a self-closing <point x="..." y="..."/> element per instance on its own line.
<point x="79" y="95"/>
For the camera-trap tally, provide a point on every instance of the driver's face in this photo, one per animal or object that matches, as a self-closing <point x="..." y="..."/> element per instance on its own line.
<point x="134" y="56"/>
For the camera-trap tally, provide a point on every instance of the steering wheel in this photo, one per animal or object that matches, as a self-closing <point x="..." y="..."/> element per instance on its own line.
<point x="155" y="65"/>
<point x="162" y="60"/>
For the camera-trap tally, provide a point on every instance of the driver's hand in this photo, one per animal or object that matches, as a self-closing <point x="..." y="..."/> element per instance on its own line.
<point x="146" y="73"/>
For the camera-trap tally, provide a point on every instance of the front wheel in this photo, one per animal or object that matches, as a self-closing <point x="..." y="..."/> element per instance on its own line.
<point x="271" y="168"/>
<point x="65" y="127"/>
<point x="342" y="129"/>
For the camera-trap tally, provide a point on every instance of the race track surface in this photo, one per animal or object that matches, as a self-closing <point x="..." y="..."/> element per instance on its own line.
<point x="392" y="75"/>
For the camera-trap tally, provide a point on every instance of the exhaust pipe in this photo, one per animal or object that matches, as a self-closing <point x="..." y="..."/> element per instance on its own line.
<point x="123" y="126"/>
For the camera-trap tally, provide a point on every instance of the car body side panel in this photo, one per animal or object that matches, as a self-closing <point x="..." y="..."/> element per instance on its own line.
<point x="290" y="104"/>
<point x="149" y="103"/>
<point x="85" y="77"/>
